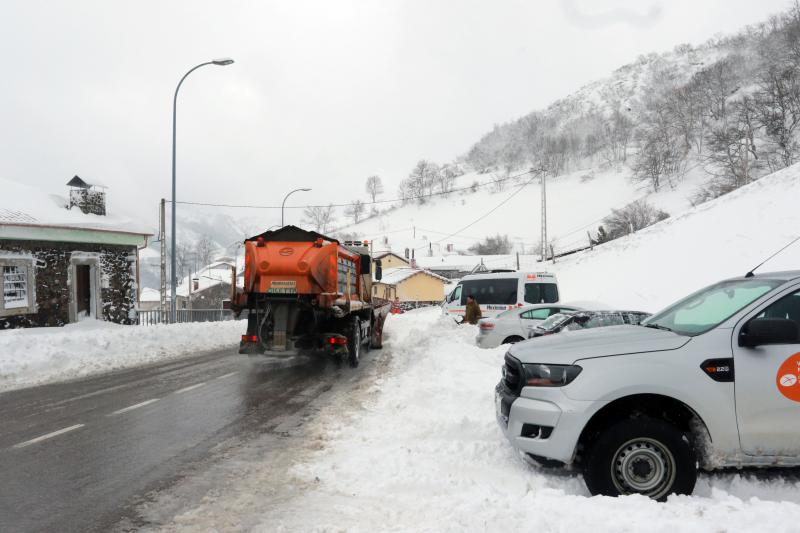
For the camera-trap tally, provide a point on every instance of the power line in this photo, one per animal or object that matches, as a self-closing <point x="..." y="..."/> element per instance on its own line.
<point x="348" y="204"/>
<point x="492" y="210"/>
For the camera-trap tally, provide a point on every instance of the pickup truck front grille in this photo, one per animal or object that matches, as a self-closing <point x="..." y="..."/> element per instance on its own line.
<point x="512" y="375"/>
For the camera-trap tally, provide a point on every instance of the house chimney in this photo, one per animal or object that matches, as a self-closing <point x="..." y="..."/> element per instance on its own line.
<point x="87" y="197"/>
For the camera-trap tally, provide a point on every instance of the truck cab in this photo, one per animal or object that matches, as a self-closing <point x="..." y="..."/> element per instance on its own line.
<point x="712" y="380"/>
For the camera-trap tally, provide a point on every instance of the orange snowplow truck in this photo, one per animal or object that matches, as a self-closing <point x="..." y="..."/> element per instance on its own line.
<point x="304" y="291"/>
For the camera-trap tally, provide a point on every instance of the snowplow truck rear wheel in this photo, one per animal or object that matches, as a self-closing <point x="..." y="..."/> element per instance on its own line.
<point x="354" y="343"/>
<point x="376" y="336"/>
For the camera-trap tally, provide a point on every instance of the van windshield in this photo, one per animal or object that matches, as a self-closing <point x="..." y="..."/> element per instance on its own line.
<point x="490" y="291"/>
<point x="706" y="309"/>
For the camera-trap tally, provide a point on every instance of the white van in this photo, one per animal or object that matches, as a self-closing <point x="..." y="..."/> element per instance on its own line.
<point x="500" y="291"/>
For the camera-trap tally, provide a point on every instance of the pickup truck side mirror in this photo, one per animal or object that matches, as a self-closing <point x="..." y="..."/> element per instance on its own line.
<point x="761" y="331"/>
<point x="378" y="270"/>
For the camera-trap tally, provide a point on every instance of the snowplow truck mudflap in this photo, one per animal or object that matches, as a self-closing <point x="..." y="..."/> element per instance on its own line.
<point x="305" y="292"/>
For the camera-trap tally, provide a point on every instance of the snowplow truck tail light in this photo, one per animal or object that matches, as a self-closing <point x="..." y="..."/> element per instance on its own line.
<point x="337" y="340"/>
<point x="249" y="338"/>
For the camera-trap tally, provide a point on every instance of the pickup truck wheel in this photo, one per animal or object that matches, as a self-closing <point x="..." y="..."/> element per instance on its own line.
<point x="513" y="339"/>
<point x="641" y="456"/>
<point x="354" y="344"/>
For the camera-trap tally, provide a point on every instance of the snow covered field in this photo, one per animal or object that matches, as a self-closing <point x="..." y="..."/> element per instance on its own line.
<point x="420" y="450"/>
<point x="40" y="355"/>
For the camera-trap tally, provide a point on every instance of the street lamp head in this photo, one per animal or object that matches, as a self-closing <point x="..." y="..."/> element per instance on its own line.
<point x="223" y="61"/>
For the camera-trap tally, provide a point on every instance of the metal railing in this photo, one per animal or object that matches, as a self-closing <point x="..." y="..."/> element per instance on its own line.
<point x="157" y="316"/>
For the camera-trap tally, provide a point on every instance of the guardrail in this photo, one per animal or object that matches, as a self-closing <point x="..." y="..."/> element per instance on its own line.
<point x="157" y="316"/>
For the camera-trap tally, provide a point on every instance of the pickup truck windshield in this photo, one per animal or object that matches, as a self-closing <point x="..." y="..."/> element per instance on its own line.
<point x="711" y="306"/>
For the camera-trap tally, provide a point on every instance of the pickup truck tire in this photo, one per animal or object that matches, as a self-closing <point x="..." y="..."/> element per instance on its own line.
<point x="354" y="343"/>
<point x="513" y="339"/>
<point x="641" y="455"/>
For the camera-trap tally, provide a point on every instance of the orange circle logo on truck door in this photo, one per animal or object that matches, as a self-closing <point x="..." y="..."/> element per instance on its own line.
<point x="788" y="378"/>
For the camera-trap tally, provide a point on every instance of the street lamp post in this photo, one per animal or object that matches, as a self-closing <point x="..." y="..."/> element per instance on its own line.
<point x="287" y="196"/>
<point x="173" y="273"/>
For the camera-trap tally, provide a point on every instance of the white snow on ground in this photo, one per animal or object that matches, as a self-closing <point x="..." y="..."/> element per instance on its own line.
<point x="420" y="450"/>
<point x="40" y="355"/>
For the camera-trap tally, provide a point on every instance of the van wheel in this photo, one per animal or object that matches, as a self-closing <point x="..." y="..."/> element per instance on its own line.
<point x="513" y="339"/>
<point x="354" y="343"/>
<point x="641" y="456"/>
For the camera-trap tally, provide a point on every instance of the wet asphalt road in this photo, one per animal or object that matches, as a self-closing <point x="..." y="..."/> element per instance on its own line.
<point x="78" y="456"/>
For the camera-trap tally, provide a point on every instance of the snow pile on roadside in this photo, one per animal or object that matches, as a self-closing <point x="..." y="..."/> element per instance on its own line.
<point x="40" y="355"/>
<point x="425" y="454"/>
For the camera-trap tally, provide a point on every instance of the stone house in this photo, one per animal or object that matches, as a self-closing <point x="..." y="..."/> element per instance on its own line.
<point x="64" y="258"/>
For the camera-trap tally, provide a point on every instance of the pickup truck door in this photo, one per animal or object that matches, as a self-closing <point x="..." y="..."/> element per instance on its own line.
<point x="767" y="385"/>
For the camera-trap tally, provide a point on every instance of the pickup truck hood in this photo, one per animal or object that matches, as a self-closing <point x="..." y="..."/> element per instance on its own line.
<point x="568" y="347"/>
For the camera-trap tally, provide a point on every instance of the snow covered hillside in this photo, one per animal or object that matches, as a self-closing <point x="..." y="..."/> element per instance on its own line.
<point x="722" y="238"/>
<point x="576" y="203"/>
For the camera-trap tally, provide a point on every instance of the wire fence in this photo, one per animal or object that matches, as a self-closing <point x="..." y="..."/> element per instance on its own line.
<point x="157" y="316"/>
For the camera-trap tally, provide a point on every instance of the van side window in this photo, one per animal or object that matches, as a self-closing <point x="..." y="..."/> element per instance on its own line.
<point x="490" y="291"/>
<point x="541" y="293"/>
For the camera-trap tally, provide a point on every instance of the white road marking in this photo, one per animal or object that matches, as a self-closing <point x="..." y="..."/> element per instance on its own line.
<point x="227" y="375"/>
<point x="48" y="436"/>
<point x="135" y="406"/>
<point x="190" y="387"/>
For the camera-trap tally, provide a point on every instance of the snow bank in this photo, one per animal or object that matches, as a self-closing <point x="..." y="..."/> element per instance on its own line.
<point x="425" y="454"/>
<point x="39" y="355"/>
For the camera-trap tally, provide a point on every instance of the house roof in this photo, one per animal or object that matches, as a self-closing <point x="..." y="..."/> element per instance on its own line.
<point x="381" y="255"/>
<point x="292" y="234"/>
<point x="394" y="276"/>
<point x="24" y="205"/>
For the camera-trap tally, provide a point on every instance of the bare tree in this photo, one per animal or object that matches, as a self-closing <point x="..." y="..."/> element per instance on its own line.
<point x="446" y="177"/>
<point x="183" y="259"/>
<point x="320" y="218"/>
<point x="779" y="111"/>
<point x="421" y="181"/>
<point x="633" y="217"/>
<point x="374" y="187"/>
<point x="355" y="210"/>
<point x="496" y="245"/>
<point x="732" y="155"/>
<point x="204" y="249"/>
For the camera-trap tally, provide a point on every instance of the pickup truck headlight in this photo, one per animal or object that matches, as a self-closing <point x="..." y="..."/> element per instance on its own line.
<point x="541" y="375"/>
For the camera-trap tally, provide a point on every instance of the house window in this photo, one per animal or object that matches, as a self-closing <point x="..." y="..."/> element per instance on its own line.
<point x="16" y="277"/>
<point x="15" y="287"/>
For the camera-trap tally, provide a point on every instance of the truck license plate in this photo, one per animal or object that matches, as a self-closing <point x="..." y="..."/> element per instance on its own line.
<point x="282" y="287"/>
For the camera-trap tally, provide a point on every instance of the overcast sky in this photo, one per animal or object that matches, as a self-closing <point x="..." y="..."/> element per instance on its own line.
<point x="322" y="94"/>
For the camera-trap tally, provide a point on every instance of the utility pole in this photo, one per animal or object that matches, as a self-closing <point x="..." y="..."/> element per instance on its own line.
<point x="162" y="237"/>
<point x="544" y="217"/>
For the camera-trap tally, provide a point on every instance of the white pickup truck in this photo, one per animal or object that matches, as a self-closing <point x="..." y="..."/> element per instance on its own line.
<point x="713" y="380"/>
